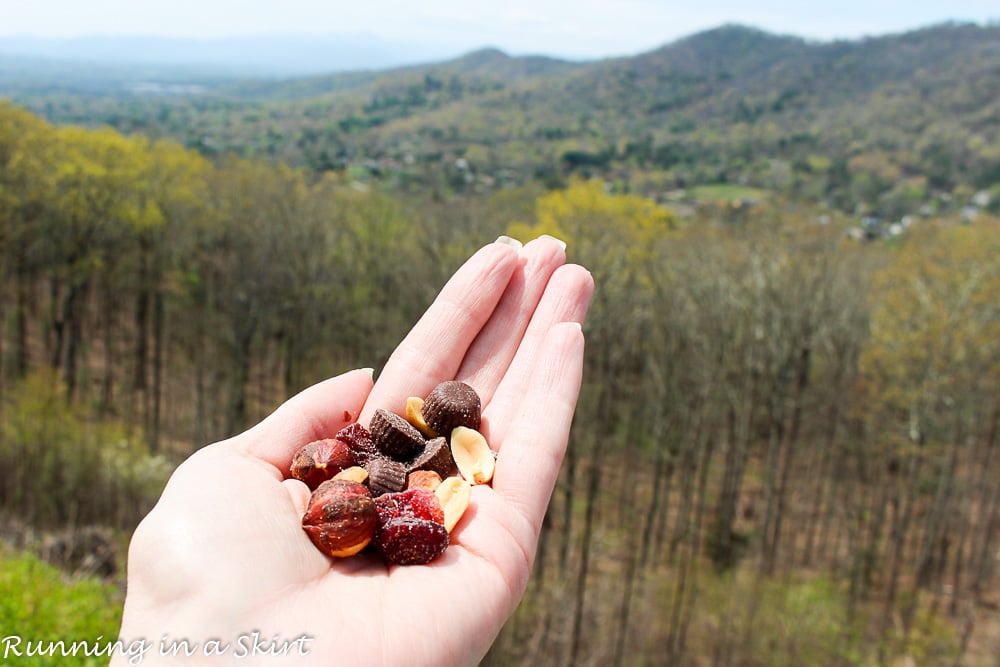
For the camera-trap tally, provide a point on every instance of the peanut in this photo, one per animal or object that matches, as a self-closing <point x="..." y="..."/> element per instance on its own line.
<point x="454" y="494"/>
<point x="472" y="454"/>
<point x="415" y="415"/>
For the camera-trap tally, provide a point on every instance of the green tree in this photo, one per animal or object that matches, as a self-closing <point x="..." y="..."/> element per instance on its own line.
<point x="26" y="188"/>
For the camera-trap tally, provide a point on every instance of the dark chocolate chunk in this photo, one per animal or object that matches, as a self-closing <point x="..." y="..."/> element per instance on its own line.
<point x="394" y="436"/>
<point x="385" y="475"/>
<point x="436" y="457"/>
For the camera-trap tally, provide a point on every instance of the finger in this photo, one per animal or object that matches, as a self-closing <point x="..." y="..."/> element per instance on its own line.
<point x="492" y="351"/>
<point x="533" y="450"/>
<point x="566" y="299"/>
<point x="298" y="493"/>
<point x="316" y="412"/>
<point x="435" y="347"/>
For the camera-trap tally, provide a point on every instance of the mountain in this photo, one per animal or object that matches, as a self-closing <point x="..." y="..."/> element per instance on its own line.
<point x="487" y="63"/>
<point x="878" y="124"/>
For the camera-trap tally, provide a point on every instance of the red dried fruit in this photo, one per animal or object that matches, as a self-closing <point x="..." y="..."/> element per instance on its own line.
<point x="359" y="440"/>
<point x="410" y="541"/>
<point x="320" y="460"/>
<point x="340" y="518"/>
<point x="411" y="504"/>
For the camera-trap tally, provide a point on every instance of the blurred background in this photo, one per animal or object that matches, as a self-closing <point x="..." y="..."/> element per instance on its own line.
<point x="786" y="449"/>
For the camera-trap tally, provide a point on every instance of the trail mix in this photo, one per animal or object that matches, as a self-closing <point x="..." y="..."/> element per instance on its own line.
<point x="401" y="485"/>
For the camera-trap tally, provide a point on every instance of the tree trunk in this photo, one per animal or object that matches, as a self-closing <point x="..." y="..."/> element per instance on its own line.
<point x="159" y="336"/>
<point x="659" y="502"/>
<point x="722" y="548"/>
<point x="988" y="489"/>
<point x="141" y="353"/>
<point x="237" y="413"/>
<point x="73" y="321"/>
<point x="569" y="487"/>
<point x="576" y="636"/>
<point x="790" y="447"/>
<point x="821" y="489"/>
<point x="632" y="560"/>
<point x="107" y="381"/>
<point x="774" y="441"/>
<point x="22" y="313"/>
<point x="902" y="505"/>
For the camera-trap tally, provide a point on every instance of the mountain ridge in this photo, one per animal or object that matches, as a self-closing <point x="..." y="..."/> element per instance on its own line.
<point x="856" y="123"/>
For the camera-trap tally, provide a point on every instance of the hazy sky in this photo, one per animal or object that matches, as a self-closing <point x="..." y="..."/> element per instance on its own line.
<point x="575" y="28"/>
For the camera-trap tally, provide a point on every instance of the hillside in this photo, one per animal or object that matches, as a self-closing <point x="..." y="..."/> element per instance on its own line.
<point x="785" y="447"/>
<point x="879" y="125"/>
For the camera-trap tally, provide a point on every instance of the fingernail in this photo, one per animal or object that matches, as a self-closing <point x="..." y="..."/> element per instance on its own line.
<point x="552" y="238"/>
<point x="509" y="240"/>
<point x="370" y="371"/>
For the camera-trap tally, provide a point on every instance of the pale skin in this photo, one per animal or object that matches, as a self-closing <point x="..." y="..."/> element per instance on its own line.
<point x="223" y="553"/>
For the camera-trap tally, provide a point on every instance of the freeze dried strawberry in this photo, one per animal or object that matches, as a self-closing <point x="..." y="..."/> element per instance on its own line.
<point x="359" y="440"/>
<point x="412" y="504"/>
<point x="411" y="541"/>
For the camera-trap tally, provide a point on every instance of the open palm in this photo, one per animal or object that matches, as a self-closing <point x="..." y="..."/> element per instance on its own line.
<point x="223" y="563"/>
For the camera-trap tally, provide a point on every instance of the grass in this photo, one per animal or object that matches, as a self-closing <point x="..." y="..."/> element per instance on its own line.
<point x="43" y="610"/>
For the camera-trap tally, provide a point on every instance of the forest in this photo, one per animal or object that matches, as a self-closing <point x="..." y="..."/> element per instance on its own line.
<point x="786" y="447"/>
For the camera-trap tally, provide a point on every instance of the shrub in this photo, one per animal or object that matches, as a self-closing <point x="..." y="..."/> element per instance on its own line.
<point x="59" y="468"/>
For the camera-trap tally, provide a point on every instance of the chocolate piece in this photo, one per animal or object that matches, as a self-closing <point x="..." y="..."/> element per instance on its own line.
<point x="435" y="457"/>
<point x="385" y="475"/>
<point x="394" y="436"/>
<point x="452" y="404"/>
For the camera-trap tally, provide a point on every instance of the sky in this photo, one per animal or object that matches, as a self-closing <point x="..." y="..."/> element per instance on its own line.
<point x="566" y="28"/>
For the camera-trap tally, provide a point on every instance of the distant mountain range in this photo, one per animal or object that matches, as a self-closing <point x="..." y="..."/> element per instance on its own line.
<point x="882" y="124"/>
<point x="252" y="55"/>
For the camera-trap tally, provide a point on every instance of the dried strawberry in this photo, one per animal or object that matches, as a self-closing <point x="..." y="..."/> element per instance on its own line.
<point x="411" y="541"/>
<point x="359" y="440"/>
<point x="411" y="504"/>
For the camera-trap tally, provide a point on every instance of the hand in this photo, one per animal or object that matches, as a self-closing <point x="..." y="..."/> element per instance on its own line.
<point x="222" y="555"/>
